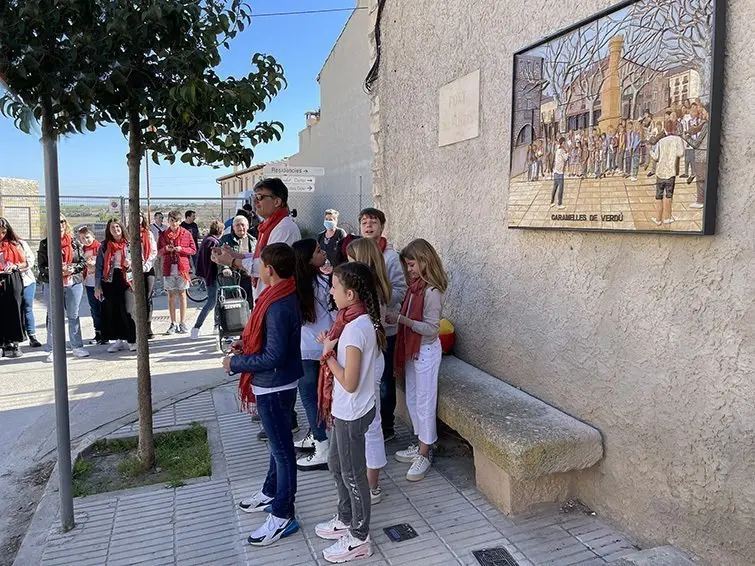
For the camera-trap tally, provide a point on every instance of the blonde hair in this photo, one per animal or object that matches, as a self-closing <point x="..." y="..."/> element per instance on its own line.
<point x="430" y="266"/>
<point x="367" y="251"/>
<point x="68" y="228"/>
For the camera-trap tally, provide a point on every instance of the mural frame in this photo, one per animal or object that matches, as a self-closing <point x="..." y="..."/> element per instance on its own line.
<point x="716" y="77"/>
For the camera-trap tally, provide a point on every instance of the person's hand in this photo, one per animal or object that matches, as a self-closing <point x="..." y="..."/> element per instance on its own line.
<point x="126" y="263"/>
<point x="391" y="318"/>
<point x="227" y="364"/>
<point x="227" y="272"/>
<point x="321" y="336"/>
<point x="9" y="267"/>
<point x="98" y="293"/>
<point x="328" y="345"/>
<point x="326" y="269"/>
<point x="177" y="248"/>
<point x="222" y="256"/>
<point x="92" y="261"/>
<point x="237" y="347"/>
<point x="170" y="247"/>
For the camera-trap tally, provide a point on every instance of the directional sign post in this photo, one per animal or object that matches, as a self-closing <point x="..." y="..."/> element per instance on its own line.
<point x="291" y="170"/>
<point x="300" y="187"/>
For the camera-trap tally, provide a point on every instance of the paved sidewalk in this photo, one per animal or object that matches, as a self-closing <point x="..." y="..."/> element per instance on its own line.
<point x="199" y="524"/>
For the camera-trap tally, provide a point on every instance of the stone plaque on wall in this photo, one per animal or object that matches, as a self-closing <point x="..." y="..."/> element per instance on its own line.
<point x="459" y="110"/>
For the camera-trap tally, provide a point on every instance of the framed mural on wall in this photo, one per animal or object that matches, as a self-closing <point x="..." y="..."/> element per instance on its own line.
<point x="615" y="121"/>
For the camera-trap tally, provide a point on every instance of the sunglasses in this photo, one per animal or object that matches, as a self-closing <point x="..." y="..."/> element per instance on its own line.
<point x="63" y="222"/>
<point x="259" y="197"/>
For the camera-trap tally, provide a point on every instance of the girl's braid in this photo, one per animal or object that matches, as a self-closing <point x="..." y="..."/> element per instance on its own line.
<point x="368" y="295"/>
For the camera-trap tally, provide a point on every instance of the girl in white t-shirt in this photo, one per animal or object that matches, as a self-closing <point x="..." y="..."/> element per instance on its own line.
<point x="350" y="375"/>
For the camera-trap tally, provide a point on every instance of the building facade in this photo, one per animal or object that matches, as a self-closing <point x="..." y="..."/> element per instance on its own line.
<point x="649" y="338"/>
<point x="20" y="205"/>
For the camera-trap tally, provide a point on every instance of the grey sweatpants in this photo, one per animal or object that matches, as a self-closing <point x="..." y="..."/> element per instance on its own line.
<point x="347" y="462"/>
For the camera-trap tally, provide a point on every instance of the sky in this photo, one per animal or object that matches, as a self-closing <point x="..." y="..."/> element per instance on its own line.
<point x="94" y="164"/>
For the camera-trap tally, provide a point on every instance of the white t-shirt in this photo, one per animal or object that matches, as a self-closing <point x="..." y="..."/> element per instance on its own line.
<point x="310" y="349"/>
<point x="351" y="406"/>
<point x="286" y="232"/>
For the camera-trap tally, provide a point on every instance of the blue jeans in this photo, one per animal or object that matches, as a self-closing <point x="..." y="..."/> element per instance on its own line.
<point x="558" y="185"/>
<point x="28" y="309"/>
<point x="209" y="304"/>
<point x="72" y="296"/>
<point x="308" y="393"/>
<point x="95" y="307"/>
<point x="275" y="411"/>
<point x="388" y="390"/>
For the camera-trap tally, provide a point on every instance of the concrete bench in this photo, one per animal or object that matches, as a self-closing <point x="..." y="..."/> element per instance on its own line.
<point x="524" y="449"/>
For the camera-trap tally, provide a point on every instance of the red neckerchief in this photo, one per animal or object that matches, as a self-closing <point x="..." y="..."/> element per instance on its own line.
<point x="110" y="251"/>
<point x="94" y="248"/>
<point x="146" y="244"/>
<point x="265" y="229"/>
<point x="253" y="336"/>
<point x="409" y="342"/>
<point x="12" y="253"/>
<point x="325" y="378"/>
<point x="66" y="247"/>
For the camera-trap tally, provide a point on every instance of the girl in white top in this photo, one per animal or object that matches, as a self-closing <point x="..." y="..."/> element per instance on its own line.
<point x="318" y="314"/>
<point x="30" y="287"/>
<point x="360" y="337"/>
<point x="418" y="350"/>
<point x="367" y="251"/>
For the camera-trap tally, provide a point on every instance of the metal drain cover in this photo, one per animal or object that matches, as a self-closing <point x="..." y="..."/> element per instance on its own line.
<point x="400" y="533"/>
<point x="497" y="556"/>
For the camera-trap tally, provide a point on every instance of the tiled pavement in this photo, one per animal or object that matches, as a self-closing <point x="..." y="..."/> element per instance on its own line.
<point x="529" y="203"/>
<point x="199" y="524"/>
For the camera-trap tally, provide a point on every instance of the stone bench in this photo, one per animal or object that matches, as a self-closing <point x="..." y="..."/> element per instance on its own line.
<point x="525" y="451"/>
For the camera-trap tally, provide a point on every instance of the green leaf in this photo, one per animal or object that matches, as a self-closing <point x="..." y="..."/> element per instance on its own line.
<point x="91" y="125"/>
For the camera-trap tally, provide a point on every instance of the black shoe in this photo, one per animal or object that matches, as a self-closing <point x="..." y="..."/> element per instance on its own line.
<point x="150" y="336"/>
<point x="683" y="176"/>
<point x="256" y="418"/>
<point x="33" y="342"/>
<point x="11" y="352"/>
<point x="690" y="179"/>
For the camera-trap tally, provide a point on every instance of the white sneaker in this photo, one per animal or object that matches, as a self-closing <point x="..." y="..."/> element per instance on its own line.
<point x="116" y="346"/>
<point x="256" y="503"/>
<point x="407" y="456"/>
<point x="48" y="359"/>
<point x="669" y="220"/>
<point x="306" y="443"/>
<point x="332" y="530"/>
<point x="348" y="548"/>
<point x="272" y="530"/>
<point x="561" y="206"/>
<point x="696" y="205"/>
<point x="419" y="468"/>
<point x="656" y="221"/>
<point x="80" y="353"/>
<point x="195" y="333"/>
<point x="376" y="495"/>
<point x="318" y="460"/>
<point x="132" y="347"/>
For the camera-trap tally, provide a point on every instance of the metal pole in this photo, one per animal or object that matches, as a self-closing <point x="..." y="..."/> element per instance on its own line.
<point x="56" y="312"/>
<point x="360" y="193"/>
<point x="146" y="164"/>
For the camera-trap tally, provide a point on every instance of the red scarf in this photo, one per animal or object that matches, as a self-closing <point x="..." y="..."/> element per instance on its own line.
<point x="408" y="342"/>
<point x="110" y="251"/>
<point x="173" y="237"/>
<point x="383" y="243"/>
<point x="12" y="253"/>
<point x="265" y="229"/>
<point x="325" y="379"/>
<point x="66" y="247"/>
<point x="94" y="248"/>
<point x="146" y="244"/>
<point x="253" y="336"/>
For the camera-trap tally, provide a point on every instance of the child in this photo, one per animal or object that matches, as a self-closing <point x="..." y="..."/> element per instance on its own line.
<point x="91" y="247"/>
<point x="418" y="349"/>
<point x="313" y="290"/>
<point x="269" y="359"/>
<point x="367" y="251"/>
<point x="176" y="246"/>
<point x="347" y="387"/>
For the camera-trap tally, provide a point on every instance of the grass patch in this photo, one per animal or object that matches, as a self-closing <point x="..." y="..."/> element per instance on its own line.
<point x="110" y="465"/>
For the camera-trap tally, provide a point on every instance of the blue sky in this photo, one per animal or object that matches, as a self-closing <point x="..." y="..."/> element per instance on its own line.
<point x="95" y="163"/>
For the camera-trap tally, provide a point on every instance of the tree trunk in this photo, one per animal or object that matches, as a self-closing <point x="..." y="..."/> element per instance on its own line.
<point x="143" y="378"/>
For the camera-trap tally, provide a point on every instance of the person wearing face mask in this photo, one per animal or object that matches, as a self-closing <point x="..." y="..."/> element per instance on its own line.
<point x="331" y="238"/>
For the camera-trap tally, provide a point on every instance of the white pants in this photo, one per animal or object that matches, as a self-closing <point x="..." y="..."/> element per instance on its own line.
<point x="374" y="443"/>
<point x="422" y="391"/>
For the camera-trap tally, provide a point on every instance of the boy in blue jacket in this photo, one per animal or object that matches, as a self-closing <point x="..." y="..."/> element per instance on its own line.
<point x="268" y="356"/>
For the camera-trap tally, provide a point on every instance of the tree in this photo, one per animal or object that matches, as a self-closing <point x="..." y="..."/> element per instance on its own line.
<point x="162" y="90"/>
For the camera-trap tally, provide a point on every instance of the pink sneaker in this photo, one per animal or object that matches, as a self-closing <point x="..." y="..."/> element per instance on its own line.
<point x="348" y="548"/>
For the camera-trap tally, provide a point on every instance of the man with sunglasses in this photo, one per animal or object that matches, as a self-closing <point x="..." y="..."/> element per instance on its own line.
<point x="271" y="202"/>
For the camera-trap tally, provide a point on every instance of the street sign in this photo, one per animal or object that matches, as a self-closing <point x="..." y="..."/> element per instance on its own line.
<point x="300" y="187"/>
<point x="278" y="170"/>
<point x="297" y="179"/>
<point x="115" y="206"/>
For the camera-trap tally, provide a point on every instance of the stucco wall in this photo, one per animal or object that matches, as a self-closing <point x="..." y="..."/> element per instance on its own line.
<point x="340" y="142"/>
<point x="649" y="338"/>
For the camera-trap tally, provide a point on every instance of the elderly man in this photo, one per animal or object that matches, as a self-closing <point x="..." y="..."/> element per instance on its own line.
<point x="242" y="242"/>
